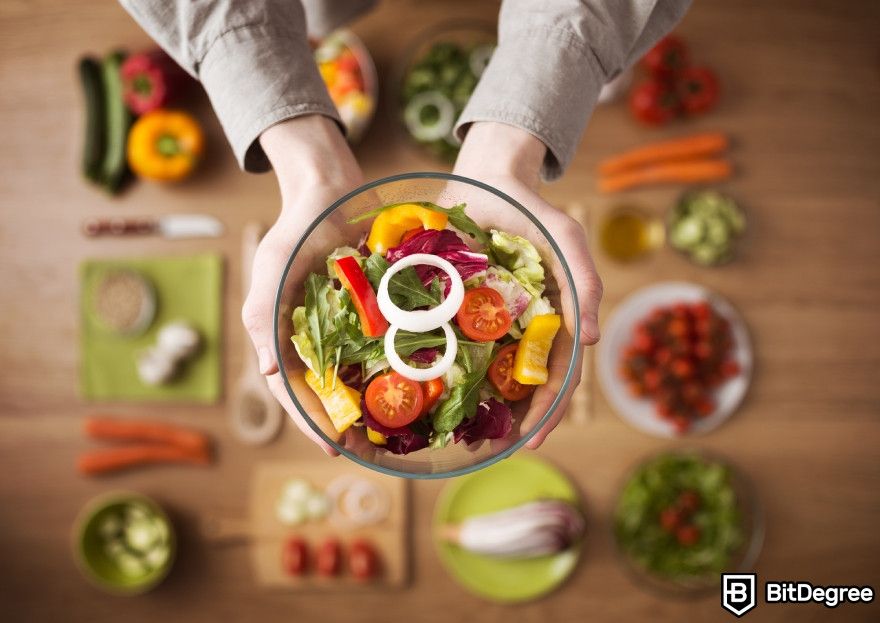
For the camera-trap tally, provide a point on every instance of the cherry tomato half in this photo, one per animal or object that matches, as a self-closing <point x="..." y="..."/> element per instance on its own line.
<point x="363" y="562"/>
<point x="501" y="375"/>
<point x="394" y="400"/>
<point x="295" y="556"/>
<point x="432" y="390"/>
<point x="328" y="557"/>
<point x="483" y="316"/>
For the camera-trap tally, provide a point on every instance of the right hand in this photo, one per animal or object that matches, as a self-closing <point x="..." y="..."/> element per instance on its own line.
<point x="314" y="167"/>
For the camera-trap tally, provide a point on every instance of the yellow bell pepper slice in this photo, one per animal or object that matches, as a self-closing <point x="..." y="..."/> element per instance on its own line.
<point x="530" y="363"/>
<point x="390" y="225"/>
<point x="341" y="402"/>
<point x="376" y="437"/>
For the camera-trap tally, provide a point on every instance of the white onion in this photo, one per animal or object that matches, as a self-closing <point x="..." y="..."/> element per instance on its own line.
<point x="421" y="320"/>
<point x="421" y="374"/>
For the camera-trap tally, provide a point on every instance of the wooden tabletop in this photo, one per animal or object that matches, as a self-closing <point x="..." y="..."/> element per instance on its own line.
<point x="801" y="99"/>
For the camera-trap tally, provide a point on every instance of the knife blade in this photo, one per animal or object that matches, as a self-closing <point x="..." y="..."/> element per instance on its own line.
<point x="174" y="226"/>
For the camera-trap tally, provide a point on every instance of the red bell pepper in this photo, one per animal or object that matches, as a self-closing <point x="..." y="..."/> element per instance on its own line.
<point x="353" y="279"/>
<point x="150" y="80"/>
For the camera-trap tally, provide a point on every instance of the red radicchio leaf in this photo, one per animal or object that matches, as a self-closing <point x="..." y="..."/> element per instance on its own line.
<point x="442" y="243"/>
<point x="425" y="355"/>
<point x="493" y="420"/>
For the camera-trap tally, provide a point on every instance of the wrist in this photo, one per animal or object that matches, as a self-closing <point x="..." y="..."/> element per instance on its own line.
<point x="309" y="151"/>
<point x="493" y="149"/>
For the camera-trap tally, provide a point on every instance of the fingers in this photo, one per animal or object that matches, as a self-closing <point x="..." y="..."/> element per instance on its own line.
<point x="572" y="241"/>
<point x="276" y="385"/>
<point x="258" y="309"/>
<point x="546" y="394"/>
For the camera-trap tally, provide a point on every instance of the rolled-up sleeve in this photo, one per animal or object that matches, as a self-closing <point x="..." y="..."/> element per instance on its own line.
<point x="253" y="59"/>
<point x="552" y="59"/>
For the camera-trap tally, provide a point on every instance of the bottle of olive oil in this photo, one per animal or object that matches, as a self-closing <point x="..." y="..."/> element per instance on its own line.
<point x="627" y="234"/>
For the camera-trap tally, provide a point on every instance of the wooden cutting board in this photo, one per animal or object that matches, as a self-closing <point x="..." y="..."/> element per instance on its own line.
<point x="268" y="534"/>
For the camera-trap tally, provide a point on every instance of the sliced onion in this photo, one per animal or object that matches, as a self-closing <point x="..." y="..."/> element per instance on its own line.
<point x="412" y="116"/>
<point x="421" y="374"/>
<point x="357" y="501"/>
<point x="427" y="319"/>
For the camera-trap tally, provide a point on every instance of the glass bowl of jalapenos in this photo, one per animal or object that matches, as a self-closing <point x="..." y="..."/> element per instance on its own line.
<point x="436" y="80"/>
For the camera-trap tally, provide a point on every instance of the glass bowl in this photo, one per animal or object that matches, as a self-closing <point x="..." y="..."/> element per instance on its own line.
<point x="742" y="558"/>
<point x="489" y="208"/>
<point x="467" y="36"/>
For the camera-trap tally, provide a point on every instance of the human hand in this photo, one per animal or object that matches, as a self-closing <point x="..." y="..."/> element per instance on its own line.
<point x="510" y="159"/>
<point x="314" y="167"/>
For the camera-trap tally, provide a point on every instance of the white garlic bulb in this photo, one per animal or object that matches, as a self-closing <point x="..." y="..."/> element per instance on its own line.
<point x="155" y="366"/>
<point x="178" y="339"/>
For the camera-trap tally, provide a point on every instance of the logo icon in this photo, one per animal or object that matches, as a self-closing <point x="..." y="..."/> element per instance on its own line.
<point x="738" y="592"/>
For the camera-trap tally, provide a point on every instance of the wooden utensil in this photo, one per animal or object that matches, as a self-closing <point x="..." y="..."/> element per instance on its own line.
<point x="255" y="413"/>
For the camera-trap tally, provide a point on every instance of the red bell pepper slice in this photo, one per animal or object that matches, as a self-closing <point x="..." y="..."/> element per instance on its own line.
<point x="353" y="279"/>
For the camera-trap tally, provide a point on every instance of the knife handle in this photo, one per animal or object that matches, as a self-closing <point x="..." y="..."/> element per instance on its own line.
<point x="119" y="227"/>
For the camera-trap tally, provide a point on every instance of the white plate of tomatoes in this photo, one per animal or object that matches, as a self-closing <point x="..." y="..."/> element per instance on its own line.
<point x="675" y="359"/>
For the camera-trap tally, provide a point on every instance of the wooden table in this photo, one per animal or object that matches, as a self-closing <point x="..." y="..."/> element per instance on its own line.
<point x="801" y="98"/>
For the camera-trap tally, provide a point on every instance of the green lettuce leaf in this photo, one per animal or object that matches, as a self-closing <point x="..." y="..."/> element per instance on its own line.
<point x="521" y="258"/>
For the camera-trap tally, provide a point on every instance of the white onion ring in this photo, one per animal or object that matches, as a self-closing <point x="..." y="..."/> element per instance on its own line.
<point x="357" y="501"/>
<point x="421" y="374"/>
<point x="421" y="320"/>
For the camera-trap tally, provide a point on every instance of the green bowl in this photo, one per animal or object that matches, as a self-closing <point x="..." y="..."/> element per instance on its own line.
<point x="92" y="559"/>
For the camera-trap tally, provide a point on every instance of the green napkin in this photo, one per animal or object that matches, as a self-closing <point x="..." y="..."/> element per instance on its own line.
<point x="187" y="288"/>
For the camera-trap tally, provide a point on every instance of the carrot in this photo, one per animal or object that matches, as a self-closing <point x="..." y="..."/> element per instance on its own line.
<point x="687" y="147"/>
<point x="146" y="430"/>
<point x="96" y="462"/>
<point x="686" y="171"/>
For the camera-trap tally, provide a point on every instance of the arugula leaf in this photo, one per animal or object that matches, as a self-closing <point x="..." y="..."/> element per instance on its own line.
<point x="301" y="340"/>
<point x="461" y="403"/>
<point x="319" y="318"/>
<point x="456" y="214"/>
<point x="405" y="288"/>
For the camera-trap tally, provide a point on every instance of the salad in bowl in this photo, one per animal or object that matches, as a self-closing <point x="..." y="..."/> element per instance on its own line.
<point x="420" y="336"/>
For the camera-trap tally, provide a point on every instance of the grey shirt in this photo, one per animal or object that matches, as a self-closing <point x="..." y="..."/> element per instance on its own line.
<point x="553" y="56"/>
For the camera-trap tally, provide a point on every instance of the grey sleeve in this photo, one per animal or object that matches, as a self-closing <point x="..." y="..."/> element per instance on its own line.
<point x="253" y="58"/>
<point x="552" y="59"/>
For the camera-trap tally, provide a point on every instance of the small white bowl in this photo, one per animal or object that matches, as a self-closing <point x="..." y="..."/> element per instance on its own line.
<point x="618" y="331"/>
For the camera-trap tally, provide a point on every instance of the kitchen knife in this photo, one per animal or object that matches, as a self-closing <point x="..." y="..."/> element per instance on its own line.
<point x="172" y="226"/>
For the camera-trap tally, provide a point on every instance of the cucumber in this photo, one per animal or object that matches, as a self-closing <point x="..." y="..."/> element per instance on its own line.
<point x="94" y="142"/>
<point x="114" y="168"/>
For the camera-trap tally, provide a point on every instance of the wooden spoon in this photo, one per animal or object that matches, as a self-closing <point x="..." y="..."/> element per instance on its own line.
<point x="256" y="415"/>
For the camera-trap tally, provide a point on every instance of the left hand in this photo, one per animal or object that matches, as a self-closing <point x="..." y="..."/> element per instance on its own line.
<point x="510" y="159"/>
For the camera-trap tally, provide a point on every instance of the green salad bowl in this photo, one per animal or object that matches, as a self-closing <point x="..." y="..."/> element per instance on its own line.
<point x="100" y="563"/>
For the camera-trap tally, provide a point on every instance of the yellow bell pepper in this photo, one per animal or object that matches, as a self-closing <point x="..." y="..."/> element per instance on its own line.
<point x="341" y="402"/>
<point x="165" y="145"/>
<point x="376" y="437"/>
<point x="530" y="363"/>
<point x="390" y="225"/>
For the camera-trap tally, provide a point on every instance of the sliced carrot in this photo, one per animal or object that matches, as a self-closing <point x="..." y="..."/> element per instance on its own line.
<point x="686" y="147"/>
<point x="146" y="430"/>
<point x="96" y="462"/>
<point x="685" y="171"/>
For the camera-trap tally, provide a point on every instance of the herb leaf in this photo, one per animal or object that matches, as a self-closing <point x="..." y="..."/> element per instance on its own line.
<point x="319" y="318"/>
<point x="461" y="403"/>
<point x="405" y="288"/>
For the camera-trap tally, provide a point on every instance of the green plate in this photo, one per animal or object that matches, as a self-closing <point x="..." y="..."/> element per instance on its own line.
<point x="509" y="483"/>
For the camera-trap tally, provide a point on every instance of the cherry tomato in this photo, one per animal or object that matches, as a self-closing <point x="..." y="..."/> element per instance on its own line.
<point x="670" y="519"/>
<point x="431" y="390"/>
<point x="501" y="375"/>
<point x="654" y="103"/>
<point x="363" y="562"/>
<point x="328" y="557"/>
<point x="663" y="356"/>
<point x="687" y="535"/>
<point x="295" y="556"/>
<point x="653" y="379"/>
<point x="643" y="342"/>
<point x="394" y="400"/>
<point x="682" y="368"/>
<point x="411" y="233"/>
<point x="666" y="58"/>
<point x="688" y="501"/>
<point x="483" y="316"/>
<point x="698" y="90"/>
<point x="730" y="369"/>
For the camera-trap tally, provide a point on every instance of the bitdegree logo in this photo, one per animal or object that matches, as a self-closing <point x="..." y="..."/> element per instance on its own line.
<point x="739" y="593"/>
<point x="804" y="592"/>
